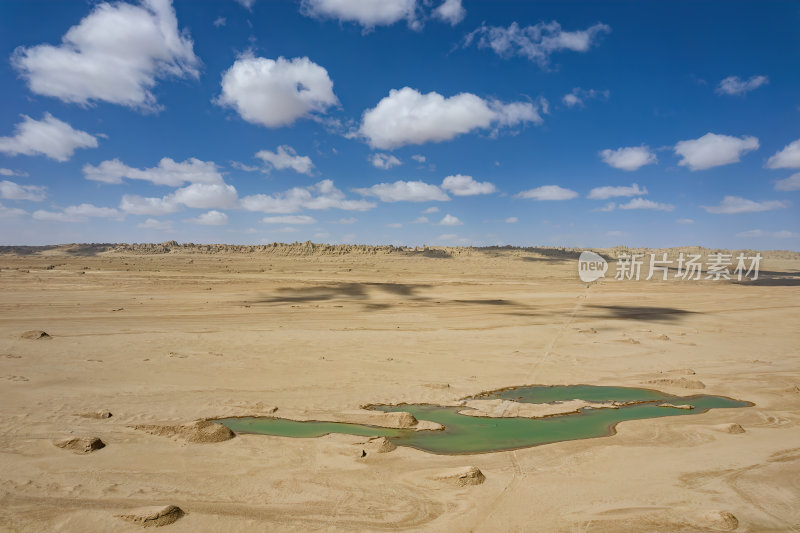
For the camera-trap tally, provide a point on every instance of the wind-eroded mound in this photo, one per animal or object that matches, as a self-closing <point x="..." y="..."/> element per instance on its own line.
<point x="729" y="428"/>
<point x="379" y="445"/>
<point x="462" y="476"/>
<point x="101" y="413"/>
<point x="153" y="516"/>
<point x="717" y="521"/>
<point x="82" y="445"/>
<point x="685" y="406"/>
<point x="681" y="383"/>
<point x="395" y="420"/>
<point x="200" y="431"/>
<point x="499" y="408"/>
<point x="35" y="334"/>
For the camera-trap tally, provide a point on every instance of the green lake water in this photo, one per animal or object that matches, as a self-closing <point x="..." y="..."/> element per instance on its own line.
<point x="469" y="434"/>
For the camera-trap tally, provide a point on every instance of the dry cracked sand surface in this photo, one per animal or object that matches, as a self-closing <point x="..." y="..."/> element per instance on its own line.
<point x="164" y="336"/>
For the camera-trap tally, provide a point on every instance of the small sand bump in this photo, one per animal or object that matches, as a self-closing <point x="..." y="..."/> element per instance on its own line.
<point x="718" y="521"/>
<point x="729" y="428"/>
<point x="681" y="383"/>
<point x="462" y="477"/>
<point x="35" y="334"/>
<point x="436" y="385"/>
<point x="685" y="406"/>
<point x="379" y="445"/>
<point x="81" y="445"/>
<point x="102" y="413"/>
<point x="684" y="371"/>
<point x="198" y="432"/>
<point x="153" y="516"/>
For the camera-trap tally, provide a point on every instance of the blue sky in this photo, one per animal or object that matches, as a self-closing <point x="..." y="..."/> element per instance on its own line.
<point x="401" y="122"/>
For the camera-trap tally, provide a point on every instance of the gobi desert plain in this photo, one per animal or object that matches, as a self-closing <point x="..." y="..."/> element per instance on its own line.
<point x="116" y="360"/>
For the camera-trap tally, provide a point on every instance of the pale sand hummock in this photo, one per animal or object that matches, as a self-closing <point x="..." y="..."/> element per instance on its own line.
<point x="167" y="338"/>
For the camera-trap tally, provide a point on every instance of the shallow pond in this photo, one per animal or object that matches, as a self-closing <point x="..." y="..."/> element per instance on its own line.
<point x="471" y="434"/>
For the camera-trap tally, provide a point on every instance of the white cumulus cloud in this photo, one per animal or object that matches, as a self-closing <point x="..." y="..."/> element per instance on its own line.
<point x="405" y="191"/>
<point x="276" y="93"/>
<point x="384" y="161"/>
<point x="210" y="218"/>
<point x="115" y="54"/>
<point x="792" y="183"/>
<point x="450" y="11"/>
<point x="713" y="150"/>
<point x="450" y="220"/>
<point x="11" y="212"/>
<point x="643" y="203"/>
<point x="548" y="192"/>
<point x="604" y="193"/>
<point x="205" y="196"/>
<point x="461" y="185"/>
<point x="289" y="219"/>
<point x="9" y="173"/>
<point x="732" y="205"/>
<point x="578" y="96"/>
<point x="367" y="13"/>
<point x="57" y="216"/>
<point x="789" y="157"/>
<point x="13" y="191"/>
<point x="407" y="116"/>
<point x="49" y="137"/>
<point x="285" y="157"/>
<point x="155" y="224"/>
<point x="536" y="42"/>
<point x="629" y="158"/>
<point x="196" y="195"/>
<point x="167" y="172"/>
<point x="322" y="195"/>
<point x="89" y="210"/>
<point x="734" y="85"/>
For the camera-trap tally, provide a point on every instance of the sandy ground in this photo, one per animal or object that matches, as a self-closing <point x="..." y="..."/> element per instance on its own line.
<point x="171" y="338"/>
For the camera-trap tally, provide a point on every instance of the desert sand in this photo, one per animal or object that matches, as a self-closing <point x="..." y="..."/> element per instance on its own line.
<point x="144" y="343"/>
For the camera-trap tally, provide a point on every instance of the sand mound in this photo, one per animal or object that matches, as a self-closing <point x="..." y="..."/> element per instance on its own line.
<point x="35" y="334"/>
<point x="81" y="445"/>
<point x="729" y="428"/>
<point x="200" y="431"/>
<point x="102" y="413"/>
<point x="682" y="383"/>
<point x="461" y="477"/>
<point x="153" y="516"/>
<point x="673" y="406"/>
<point x="717" y="521"/>
<point x="499" y="408"/>
<point x="379" y="445"/>
<point x="395" y="420"/>
<point x="684" y="371"/>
